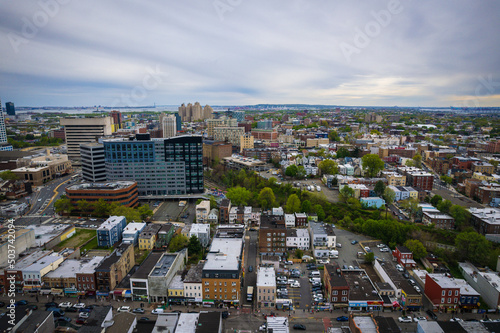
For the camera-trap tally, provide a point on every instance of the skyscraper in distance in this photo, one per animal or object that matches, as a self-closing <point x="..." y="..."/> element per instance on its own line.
<point x="11" y="110"/>
<point x="4" y="145"/>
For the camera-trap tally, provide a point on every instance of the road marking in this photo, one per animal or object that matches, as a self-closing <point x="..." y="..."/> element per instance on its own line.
<point x="49" y="220"/>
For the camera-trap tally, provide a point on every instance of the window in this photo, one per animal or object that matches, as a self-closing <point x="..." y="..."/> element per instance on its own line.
<point x="449" y="299"/>
<point x="344" y="292"/>
<point x="344" y="299"/>
<point x="442" y="300"/>
<point x="443" y="293"/>
<point x="207" y="283"/>
<point x="334" y="299"/>
<point x="449" y="292"/>
<point x="455" y="300"/>
<point x="456" y="292"/>
<point x="207" y="290"/>
<point x="335" y="292"/>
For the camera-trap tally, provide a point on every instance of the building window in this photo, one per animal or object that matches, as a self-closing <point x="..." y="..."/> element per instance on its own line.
<point x="456" y="292"/>
<point x="443" y="293"/>
<point x="442" y="300"/>
<point x="344" y="299"/>
<point x="344" y="292"/>
<point x="449" y="292"/>
<point x="449" y="299"/>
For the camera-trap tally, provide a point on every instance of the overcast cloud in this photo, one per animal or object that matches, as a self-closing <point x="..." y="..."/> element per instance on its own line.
<point x="237" y="52"/>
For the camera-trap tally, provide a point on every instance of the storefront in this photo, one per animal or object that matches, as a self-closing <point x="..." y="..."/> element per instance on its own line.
<point x="365" y="305"/>
<point x="176" y="300"/>
<point x="70" y="292"/>
<point x="56" y="292"/>
<point x="283" y="304"/>
<point x="208" y="303"/>
<point x="102" y="294"/>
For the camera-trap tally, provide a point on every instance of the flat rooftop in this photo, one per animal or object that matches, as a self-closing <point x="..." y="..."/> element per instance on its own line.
<point x="43" y="262"/>
<point x="266" y="277"/>
<point x="162" y="267"/>
<point x="30" y="259"/>
<point x="195" y="273"/>
<point x="70" y="267"/>
<point x="360" y="286"/>
<point x="187" y="323"/>
<point x="147" y="266"/>
<point x="176" y="282"/>
<point x="224" y="254"/>
<point x="110" y="223"/>
<point x="46" y="232"/>
<point x="366" y="324"/>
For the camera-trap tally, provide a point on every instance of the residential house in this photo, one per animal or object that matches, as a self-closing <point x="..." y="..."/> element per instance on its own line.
<point x="297" y="239"/>
<point x="202" y="232"/>
<point x="224" y="209"/>
<point x="213" y="216"/>
<point x="132" y="231"/>
<point x="450" y="293"/>
<point x="290" y="220"/>
<point x="336" y="286"/>
<point x="148" y="236"/>
<point x="202" y="211"/>
<point x="404" y="256"/>
<point x="193" y="292"/>
<point x="114" y="268"/>
<point x="110" y="231"/>
<point x="301" y="220"/>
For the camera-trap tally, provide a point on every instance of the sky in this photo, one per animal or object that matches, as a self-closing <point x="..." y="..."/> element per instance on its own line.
<point x="243" y="52"/>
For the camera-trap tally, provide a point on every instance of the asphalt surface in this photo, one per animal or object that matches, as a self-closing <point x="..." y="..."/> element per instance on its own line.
<point x="250" y="278"/>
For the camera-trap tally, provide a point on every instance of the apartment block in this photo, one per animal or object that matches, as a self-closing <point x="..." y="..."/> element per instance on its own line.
<point x="93" y="162"/>
<point x="110" y="231"/>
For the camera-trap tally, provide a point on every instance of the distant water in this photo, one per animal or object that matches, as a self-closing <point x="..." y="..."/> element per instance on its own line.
<point x="160" y="108"/>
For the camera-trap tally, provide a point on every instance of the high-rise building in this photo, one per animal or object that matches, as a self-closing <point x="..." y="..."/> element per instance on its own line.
<point x="229" y="134"/>
<point x="178" y="122"/>
<point x="239" y="116"/>
<point x="4" y="145"/>
<point x="117" y="118"/>
<point x="195" y="112"/>
<point x="159" y="166"/>
<point x="168" y="125"/>
<point x="84" y="130"/>
<point x="93" y="163"/>
<point x="11" y="110"/>
<point x="246" y="141"/>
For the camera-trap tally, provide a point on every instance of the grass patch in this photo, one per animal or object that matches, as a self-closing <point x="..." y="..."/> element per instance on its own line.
<point x="140" y="255"/>
<point x="90" y="245"/>
<point x="80" y="237"/>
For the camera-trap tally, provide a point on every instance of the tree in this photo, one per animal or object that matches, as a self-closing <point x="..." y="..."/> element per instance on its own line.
<point x="372" y="164"/>
<point x="306" y="206"/>
<point x="301" y="172"/>
<point x="213" y="202"/>
<point x="435" y="200"/>
<point x="417" y="160"/>
<point x="410" y="163"/>
<point x="411" y="205"/>
<point x="444" y="206"/>
<point x="145" y="211"/>
<point x="266" y="198"/>
<point x="334" y="136"/>
<point x="8" y="175"/>
<point x="299" y="253"/>
<point x="492" y="162"/>
<point x="328" y="167"/>
<point x="63" y="205"/>
<point x="343" y="152"/>
<point x="178" y="243"/>
<point x="293" y="204"/>
<point x="239" y="196"/>
<point x="194" y="246"/>
<point x="318" y="209"/>
<point x="130" y="213"/>
<point x="446" y="179"/>
<point x="369" y="257"/>
<point x="345" y="193"/>
<point x="417" y="248"/>
<point x="198" y="201"/>
<point x="101" y="208"/>
<point x="379" y="188"/>
<point x="291" y="171"/>
<point x="472" y="246"/>
<point x="83" y="206"/>
<point x="460" y="214"/>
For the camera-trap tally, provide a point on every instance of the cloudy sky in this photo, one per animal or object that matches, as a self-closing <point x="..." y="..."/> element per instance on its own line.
<point x="238" y="52"/>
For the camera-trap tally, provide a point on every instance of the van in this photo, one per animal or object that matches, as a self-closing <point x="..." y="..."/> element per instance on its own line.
<point x="158" y="311"/>
<point x="314" y="274"/>
<point x="315" y="280"/>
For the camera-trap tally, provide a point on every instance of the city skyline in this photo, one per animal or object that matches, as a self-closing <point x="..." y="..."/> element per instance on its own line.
<point x="243" y="53"/>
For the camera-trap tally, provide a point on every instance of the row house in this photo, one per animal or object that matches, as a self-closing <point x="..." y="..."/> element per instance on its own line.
<point x="236" y="215"/>
<point x="149" y="236"/>
<point x="486" y="283"/>
<point x="404" y="192"/>
<point x="290" y="220"/>
<point x="132" y="231"/>
<point x="110" y="272"/>
<point x="297" y="239"/>
<point x="193" y="292"/>
<point x="483" y="167"/>
<point x="272" y="235"/>
<point x="33" y="274"/>
<point x="493" y="147"/>
<point x="449" y="293"/>
<point x="266" y="287"/>
<point x="394" y="178"/>
<point x="440" y="220"/>
<point x="15" y="189"/>
<point x="110" y="231"/>
<point x="346" y="169"/>
<point x="336" y="286"/>
<point x="301" y="220"/>
<point x="441" y="165"/>
<point x="202" y="232"/>
<point x="165" y="235"/>
<point x="213" y="216"/>
<point x="202" y="211"/>
<point x="404" y="256"/>
<point x="485" y="220"/>
<point x="487" y="194"/>
<point x="224" y="209"/>
<point x="74" y="276"/>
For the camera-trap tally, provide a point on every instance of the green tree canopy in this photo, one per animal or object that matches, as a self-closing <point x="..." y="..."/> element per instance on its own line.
<point x="342" y="152"/>
<point x="301" y="172"/>
<point x="83" y="206"/>
<point x="291" y="171"/>
<point x="473" y="246"/>
<point x="318" y="209"/>
<point x="334" y="136"/>
<point x="63" y="205"/>
<point x="435" y="200"/>
<point x="239" y="196"/>
<point x="417" y="248"/>
<point x="345" y="193"/>
<point x="444" y="206"/>
<point x="293" y="204"/>
<point x="379" y="188"/>
<point x="299" y="253"/>
<point x="460" y="214"/>
<point x="101" y="208"/>
<point x="328" y="167"/>
<point x="144" y="211"/>
<point x="372" y="164"/>
<point x="194" y="246"/>
<point x="411" y="205"/>
<point x="306" y="206"/>
<point x="130" y="213"/>
<point x="266" y="198"/>
<point x="369" y="257"/>
<point x="8" y="175"/>
<point x="446" y="179"/>
<point x="417" y="159"/>
<point x="213" y="202"/>
<point x="178" y="243"/>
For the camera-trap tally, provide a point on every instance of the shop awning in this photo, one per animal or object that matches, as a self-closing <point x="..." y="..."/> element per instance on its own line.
<point x="127" y="293"/>
<point x="102" y="293"/>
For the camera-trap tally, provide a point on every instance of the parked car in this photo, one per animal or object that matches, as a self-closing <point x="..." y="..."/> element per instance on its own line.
<point x="296" y="284"/>
<point x="86" y="309"/>
<point x="144" y="319"/>
<point x="263" y="327"/>
<point x="21" y="302"/>
<point x="354" y="242"/>
<point x="432" y="315"/>
<point x="225" y="314"/>
<point x="384" y="249"/>
<point x="81" y="321"/>
<point x="32" y="307"/>
<point x="71" y="309"/>
<point x="381" y="246"/>
<point x="417" y="289"/>
<point x="367" y="249"/>
<point x="79" y="305"/>
<point x="406" y="275"/>
<point x="65" y="305"/>
<point x="51" y="305"/>
<point x="419" y="318"/>
<point x="138" y="310"/>
<point x="83" y="315"/>
<point x="157" y="311"/>
<point x="123" y="309"/>
<point x="342" y="318"/>
<point x="400" y="268"/>
<point x="406" y="319"/>
<point x="63" y="320"/>
<point x="250" y="268"/>
<point x="339" y="245"/>
<point x="299" y="327"/>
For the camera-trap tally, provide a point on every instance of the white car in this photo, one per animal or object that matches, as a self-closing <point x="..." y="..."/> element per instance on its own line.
<point x="124" y="309"/>
<point x="83" y="315"/>
<point x="417" y="289"/>
<point x="406" y="319"/>
<point x="399" y="268"/>
<point x="384" y="249"/>
<point x="420" y="318"/>
<point x="295" y="285"/>
<point x="323" y="261"/>
<point x="65" y="305"/>
<point x="79" y="305"/>
<point x="455" y="319"/>
<point x="339" y="245"/>
<point x="381" y="246"/>
<point x="367" y="249"/>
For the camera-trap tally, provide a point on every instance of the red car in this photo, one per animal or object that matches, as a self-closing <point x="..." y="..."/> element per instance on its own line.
<point x="81" y="321"/>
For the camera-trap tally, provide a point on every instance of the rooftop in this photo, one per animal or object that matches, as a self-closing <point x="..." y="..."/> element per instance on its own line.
<point x="111" y="222"/>
<point x="147" y="266"/>
<point x="492" y="278"/>
<point x="209" y="322"/>
<point x="163" y="265"/>
<point x="200" y="227"/>
<point x="266" y="277"/>
<point x="46" y="232"/>
<point x="224" y="254"/>
<point x="31" y="259"/>
<point x="360" y="286"/>
<point x="176" y="283"/>
<point x="366" y="324"/>
<point x="195" y="273"/>
<point x="43" y="262"/>
<point x="166" y="322"/>
<point x="187" y="322"/>
<point x="70" y="267"/>
<point x="133" y="228"/>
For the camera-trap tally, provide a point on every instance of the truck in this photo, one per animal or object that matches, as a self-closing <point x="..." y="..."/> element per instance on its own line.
<point x="249" y="293"/>
<point x="334" y="254"/>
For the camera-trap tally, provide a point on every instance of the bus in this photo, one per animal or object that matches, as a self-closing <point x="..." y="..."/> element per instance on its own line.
<point x="249" y="293"/>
